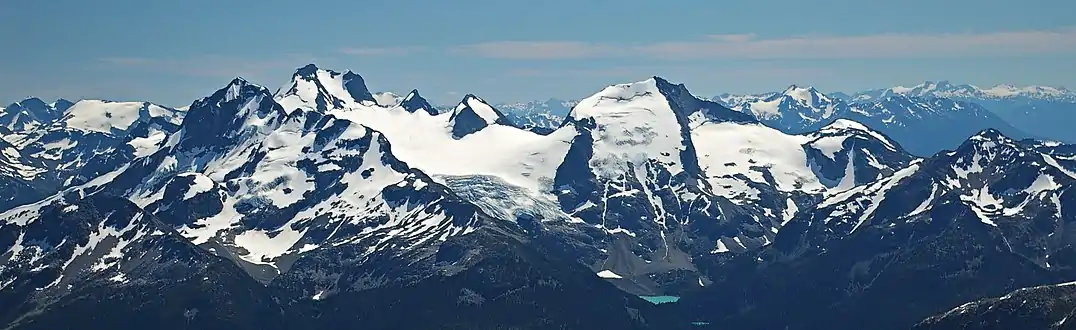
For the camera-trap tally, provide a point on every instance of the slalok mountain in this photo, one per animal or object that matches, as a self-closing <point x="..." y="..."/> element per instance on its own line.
<point x="325" y="205"/>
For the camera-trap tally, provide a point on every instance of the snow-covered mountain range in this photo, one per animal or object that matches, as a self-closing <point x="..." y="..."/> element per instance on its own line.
<point x="318" y="203"/>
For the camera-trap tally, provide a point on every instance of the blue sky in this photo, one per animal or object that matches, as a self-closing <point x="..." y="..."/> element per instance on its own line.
<point x="173" y="52"/>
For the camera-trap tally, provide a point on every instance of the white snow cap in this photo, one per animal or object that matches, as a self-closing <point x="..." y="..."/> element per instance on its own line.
<point x="105" y="116"/>
<point x="595" y="105"/>
<point x="635" y="123"/>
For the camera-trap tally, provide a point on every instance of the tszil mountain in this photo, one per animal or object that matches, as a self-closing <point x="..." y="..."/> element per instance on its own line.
<point x="321" y="204"/>
<point x="984" y="219"/>
<point x="1043" y="110"/>
<point x="923" y="125"/>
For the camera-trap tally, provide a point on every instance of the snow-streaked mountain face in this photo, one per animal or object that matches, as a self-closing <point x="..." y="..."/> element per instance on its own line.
<point x="414" y="102"/>
<point x="797" y="109"/>
<point x="1000" y="182"/>
<point x="1041" y="307"/>
<point x="541" y="116"/>
<point x="984" y="219"/>
<point x="106" y="255"/>
<point x="21" y="178"/>
<point x="104" y="261"/>
<point x="279" y="185"/>
<point x="93" y="137"/>
<point x="1044" y="111"/>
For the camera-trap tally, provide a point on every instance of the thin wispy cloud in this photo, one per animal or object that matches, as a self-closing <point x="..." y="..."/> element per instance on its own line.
<point x="675" y="71"/>
<point x="536" y="49"/>
<point x="381" y="51"/>
<point x="749" y="46"/>
<point x="610" y="72"/>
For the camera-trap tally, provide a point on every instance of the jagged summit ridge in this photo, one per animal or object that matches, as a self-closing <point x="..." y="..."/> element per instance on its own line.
<point x="31" y="113"/>
<point x="796" y="109"/>
<point x="320" y="89"/>
<point x="807" y="95"/>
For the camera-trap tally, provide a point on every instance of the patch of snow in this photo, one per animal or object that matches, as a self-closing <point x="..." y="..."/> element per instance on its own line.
<point x="145" y="146"/>
<point x="927" y="203"/>
<point x="264" y="247"/>
<point x="200" y="185"/>
<point x="1044" y="182"/>
<point x="609" y="274"/>
<point x="830" y="145"/>
<point x="721" y="248"/>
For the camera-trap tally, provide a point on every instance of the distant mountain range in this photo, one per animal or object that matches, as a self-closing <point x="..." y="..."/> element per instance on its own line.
<point x="1042" y="111"/>
<point x="322" y="204"/>
<point x="923" y="125"/>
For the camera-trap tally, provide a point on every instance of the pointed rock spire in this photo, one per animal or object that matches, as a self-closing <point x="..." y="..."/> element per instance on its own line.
<point x="415" y="102"/>
<point x="473" y="114"/>
<point x="62" y="105"/>
<point x="356" y="86"/>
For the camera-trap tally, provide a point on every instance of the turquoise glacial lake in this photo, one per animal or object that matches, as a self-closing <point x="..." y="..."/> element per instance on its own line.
<point x="660" y="299"/>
